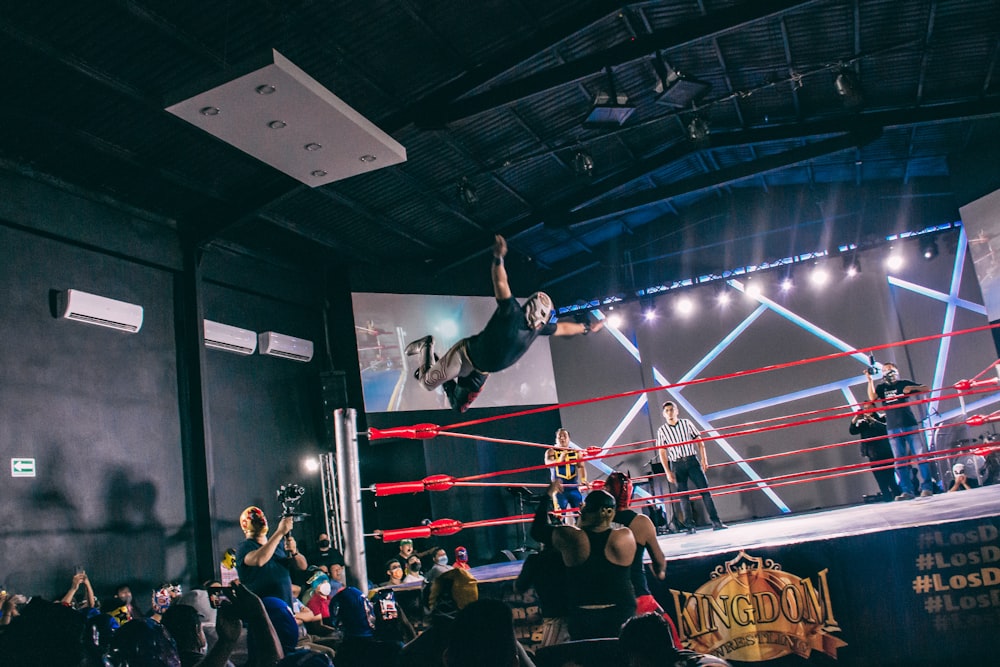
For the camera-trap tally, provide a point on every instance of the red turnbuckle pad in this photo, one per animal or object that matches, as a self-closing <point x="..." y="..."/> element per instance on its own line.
<point x="445" y="526"/>
<point x="439" y="482"/>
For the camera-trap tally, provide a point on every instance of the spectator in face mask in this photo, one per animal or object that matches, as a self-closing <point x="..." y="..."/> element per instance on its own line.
<point x="413" y="568"/>
<point x="327" y="556"/>
<point x="439" y="564"/>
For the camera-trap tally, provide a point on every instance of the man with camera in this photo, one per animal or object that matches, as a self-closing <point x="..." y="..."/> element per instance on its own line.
<point x="902" y="427"/>
<point x="870" y="425"/>
<point x="263" y="562"/>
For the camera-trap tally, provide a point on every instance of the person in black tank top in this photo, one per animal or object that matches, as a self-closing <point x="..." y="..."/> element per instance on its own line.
<point x="598" y="559"/>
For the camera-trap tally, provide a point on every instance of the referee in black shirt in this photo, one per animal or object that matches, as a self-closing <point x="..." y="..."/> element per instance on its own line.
<point x="685" y="463"/>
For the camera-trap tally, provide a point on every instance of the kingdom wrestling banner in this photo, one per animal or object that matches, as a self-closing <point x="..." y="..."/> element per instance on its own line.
<point x="906" y="596"/>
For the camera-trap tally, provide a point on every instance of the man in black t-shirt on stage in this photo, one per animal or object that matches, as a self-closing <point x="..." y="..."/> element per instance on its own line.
<point x="463" y="369"/>
<point x="894" y="393"/>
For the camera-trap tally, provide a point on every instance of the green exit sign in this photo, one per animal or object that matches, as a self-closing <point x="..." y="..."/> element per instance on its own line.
<point x="22" y="467"/>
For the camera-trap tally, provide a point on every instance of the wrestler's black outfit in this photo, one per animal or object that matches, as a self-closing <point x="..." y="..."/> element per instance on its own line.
<point x="504" y="340"/>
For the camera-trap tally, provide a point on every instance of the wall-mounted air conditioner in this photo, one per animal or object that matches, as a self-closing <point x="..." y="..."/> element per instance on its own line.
<point x="220" y="336"/>
<point x="279" y="345"/>
<point x="73" y="304"/>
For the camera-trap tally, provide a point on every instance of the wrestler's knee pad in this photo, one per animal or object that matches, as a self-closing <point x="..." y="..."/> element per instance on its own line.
<point x="449" y="366"/>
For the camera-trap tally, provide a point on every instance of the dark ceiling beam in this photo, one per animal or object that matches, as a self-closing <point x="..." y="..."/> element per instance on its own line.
<point x="127" y="90"/>
<point x="557" y="212"/>
<point x="229" y="215"/>
<point x="366" y="212"/>
<point x="541" y="41"/>
<point x="146" y="15"/>
<point x="925" y="58"/>
<point x="419" y="187"/>
<point x="793" y="79"/>
<point x="819" y="128"/>
<point x="356" y="253"/>
<point x="721" y="177"/>
<point x="733" y="18"/>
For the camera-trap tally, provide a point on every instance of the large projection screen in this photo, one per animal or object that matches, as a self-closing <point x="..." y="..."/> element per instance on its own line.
<point x="981" y="219"/>
<point x="386" y="323"/>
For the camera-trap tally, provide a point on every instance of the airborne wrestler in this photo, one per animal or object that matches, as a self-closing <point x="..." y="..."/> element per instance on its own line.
<point x="463" y="369"/>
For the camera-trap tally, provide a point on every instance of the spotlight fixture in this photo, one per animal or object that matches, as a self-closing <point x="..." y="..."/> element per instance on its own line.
<point x="583" y="164"/>
<point x="467" y="193"/>
<point x="649" y="314"/>
<point x="928" y="248"/>
<point x="894" y="262"/>
<point x="614" y="321"/>
<point x="819" y="276"/>
<point x="676" y="89"/>
<point x="684" y="305"/>
<point x="754" y="290"/>
<point x="852" y="265"/>
<point x="848" y="87"/>
<point x="698" y="129"/>
<point x="722" y="298"/>
<point x="610" y="110"/>
<point x="787" y="284"/>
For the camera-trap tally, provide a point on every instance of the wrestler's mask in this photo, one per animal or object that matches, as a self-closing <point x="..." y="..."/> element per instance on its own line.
<point x="619" y="485"/>
<point x="253" y="521"/>
<point x="538" y="310"/>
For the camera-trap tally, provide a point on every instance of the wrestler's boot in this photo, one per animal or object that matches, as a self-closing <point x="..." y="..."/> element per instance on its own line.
<point x="425" y="348"/>
<point x="462" y="393"/>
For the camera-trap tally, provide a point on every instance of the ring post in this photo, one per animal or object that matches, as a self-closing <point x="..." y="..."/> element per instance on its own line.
<point x="349" y="485"/>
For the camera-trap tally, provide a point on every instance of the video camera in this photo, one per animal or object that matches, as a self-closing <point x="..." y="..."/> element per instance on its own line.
<point x="290" y="495"/>
<point x="871" y="370"/>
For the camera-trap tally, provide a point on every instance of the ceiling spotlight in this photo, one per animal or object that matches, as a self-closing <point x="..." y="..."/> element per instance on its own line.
<point x="277" y="124"/>
<point x="310" y="464"/>
<point x="684" y="305"/>
<point x="753" y="290"/>
<point x="265" y="89"/>
<point x="467" y="193"/>
<point x="852" y="265"/>
<point x="614" y="321"/>
<point x="650" y="314"/>
<point x="848" y="87"/>
<point x="678" y="90"/>
<point x="787" y="284"/>
<point x="610" y="110"/>
<point x="928" y="248"/>
<point x="698" y="129"/>
<point x="583" y="164"/>
<point x="894" y="262"/>
<point x="209" y="111"/>
<point x="722" y="298"/>
<point x="819" y="276"/>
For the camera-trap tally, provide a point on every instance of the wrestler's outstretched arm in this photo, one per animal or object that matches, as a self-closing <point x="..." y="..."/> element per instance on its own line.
<point x="501" y="288"/>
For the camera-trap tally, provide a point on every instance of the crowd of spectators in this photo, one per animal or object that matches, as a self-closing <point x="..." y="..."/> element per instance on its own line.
<point x="321" y="620"/>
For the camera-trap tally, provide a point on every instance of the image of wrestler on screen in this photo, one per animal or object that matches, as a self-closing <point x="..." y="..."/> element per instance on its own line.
<point x="513" y="327"/>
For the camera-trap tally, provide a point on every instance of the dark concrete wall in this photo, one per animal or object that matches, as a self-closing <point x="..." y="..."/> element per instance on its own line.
<point x="101" y="411"/>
